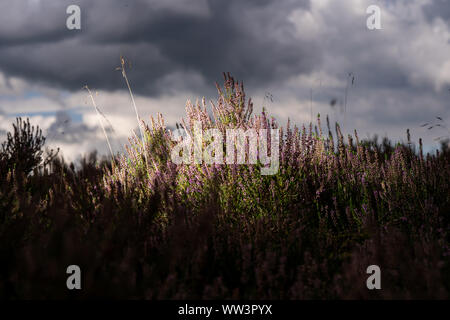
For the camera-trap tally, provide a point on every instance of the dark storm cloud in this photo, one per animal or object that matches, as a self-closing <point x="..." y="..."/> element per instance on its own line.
<point x="252" y="39"/>
<point x="438" y="8"/>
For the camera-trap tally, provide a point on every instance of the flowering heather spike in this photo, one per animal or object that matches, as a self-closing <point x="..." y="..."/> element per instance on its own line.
<point x="357" y="139"/>
<point x="319" y="124"/>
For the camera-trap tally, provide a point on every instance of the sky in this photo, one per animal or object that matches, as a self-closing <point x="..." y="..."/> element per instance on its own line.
<point x="294" y="57"/>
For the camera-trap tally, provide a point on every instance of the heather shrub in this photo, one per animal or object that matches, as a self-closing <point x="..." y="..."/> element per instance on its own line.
<point x="142" y="226"/>
<point x="23" y="149"/>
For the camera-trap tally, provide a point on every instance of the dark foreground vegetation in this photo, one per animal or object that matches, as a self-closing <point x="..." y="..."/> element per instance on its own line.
<point x="143" y="227"/>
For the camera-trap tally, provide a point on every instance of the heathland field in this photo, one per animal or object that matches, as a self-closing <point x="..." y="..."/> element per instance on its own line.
<point x="140" y="225"/>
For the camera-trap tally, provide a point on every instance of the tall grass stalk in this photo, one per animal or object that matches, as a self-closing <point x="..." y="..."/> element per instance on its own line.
<point x="124" y="74"/>
<point x="311" y="106"/>
<point x="100" y="120"/>
<point x="311" y="97"/>
<point x="352" y="77"/>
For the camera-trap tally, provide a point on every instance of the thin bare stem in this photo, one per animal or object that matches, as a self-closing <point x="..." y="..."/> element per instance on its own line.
<point x="352" y="77"/>
<point x="124" y="74"/>
<point x="100" y="120"/>
<point x="311" y="105"/>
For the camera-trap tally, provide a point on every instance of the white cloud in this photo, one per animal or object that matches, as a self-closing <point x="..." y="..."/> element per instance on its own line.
<point x="402" y="71"/>
<point x="402" y="75"/>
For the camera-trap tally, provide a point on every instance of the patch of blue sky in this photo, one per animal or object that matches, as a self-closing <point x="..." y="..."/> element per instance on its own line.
<point x="27" y="95"/>
<point x="76" y="115"/>
<point x="32" y="94"/>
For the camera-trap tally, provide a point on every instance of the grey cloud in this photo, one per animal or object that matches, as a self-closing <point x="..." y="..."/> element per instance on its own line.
<point x="63" y="129"/>
<point x="179" y="46"/>
<point x="438" y="8"/>
<point x="252" y="39"/>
